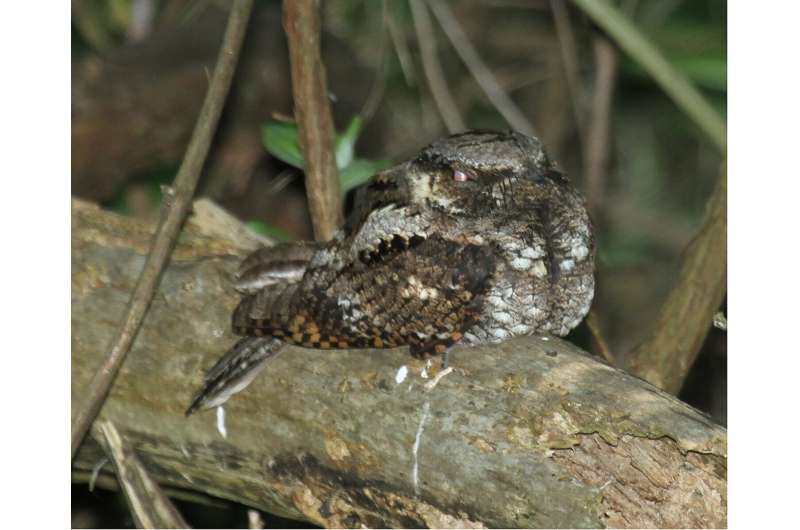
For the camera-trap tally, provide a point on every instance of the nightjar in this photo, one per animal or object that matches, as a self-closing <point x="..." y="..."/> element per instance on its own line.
<point x="476" y="239"/>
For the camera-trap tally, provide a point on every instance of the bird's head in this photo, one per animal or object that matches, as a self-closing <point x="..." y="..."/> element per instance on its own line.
<point x="470" y="172"/>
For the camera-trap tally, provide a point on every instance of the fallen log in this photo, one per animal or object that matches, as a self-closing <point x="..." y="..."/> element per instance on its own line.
<point x="532" y="432"/>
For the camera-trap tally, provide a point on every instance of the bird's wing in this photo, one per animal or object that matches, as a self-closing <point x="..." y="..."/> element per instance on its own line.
<point x="400" y="290"/>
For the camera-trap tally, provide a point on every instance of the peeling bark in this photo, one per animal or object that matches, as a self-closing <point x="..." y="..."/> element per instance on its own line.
<point x="531" y="432"/>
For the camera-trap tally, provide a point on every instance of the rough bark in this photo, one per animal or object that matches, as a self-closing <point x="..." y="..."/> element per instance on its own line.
<point x="528" y="433"/>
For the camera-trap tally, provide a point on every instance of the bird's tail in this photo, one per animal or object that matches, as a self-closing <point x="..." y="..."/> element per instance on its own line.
<point x="234" y="371"/>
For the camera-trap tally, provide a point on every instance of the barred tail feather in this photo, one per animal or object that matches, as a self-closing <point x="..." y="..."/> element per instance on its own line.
<point x="234" y="371"/>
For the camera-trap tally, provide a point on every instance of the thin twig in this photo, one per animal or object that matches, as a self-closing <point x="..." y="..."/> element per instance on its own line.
<point x="148" y="504"/>
<point x="487" y="81"/>
<point x="569" y="58"/>
<point x="301" y="21"/>
<point x="600" y="345"/>
<point x="401" y="48"/>
<point x="600" y="119"/>
<point x="174" y="211"/>
<point x="378" y="88"/>
<point x="641" y="50"/>
<point x="433" y="69"/>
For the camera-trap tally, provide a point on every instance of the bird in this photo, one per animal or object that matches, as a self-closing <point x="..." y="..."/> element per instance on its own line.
<point x="478" y="238"/>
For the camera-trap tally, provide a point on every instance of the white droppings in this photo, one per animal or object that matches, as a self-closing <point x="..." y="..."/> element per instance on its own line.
<point x="545" y="338"/>
<point x="430" y="385"/>
<point x="567" y="265"/>
<point x="521" y="264"/>
<point x="221" y="421"/>
<point x="401" y="374"/>
<point x="426" y="408"/>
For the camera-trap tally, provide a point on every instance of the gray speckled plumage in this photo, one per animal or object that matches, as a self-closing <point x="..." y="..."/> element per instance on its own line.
<point x="477" y="239"/>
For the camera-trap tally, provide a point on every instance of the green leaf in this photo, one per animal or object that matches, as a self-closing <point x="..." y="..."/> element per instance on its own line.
<point x="359" y="171"/>
<point x="346" y="143"/>
<point x="280" y="140"/>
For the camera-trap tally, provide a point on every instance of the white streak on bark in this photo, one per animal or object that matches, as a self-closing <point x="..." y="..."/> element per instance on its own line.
<point x="426" y="408"/>
<point x="221" y="421"/>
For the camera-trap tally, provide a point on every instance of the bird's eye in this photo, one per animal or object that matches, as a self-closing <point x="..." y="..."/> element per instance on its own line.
<point x="460" y="176"/>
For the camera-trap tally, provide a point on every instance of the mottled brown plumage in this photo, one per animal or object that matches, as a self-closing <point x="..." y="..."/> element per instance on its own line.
<point x="476" y="239"/>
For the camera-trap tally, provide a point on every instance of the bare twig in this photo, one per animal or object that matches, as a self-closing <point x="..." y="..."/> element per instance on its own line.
<point x="599" y="343"/>
<point x="599" y="124"/>
<point x="640" y="49"/>
<point x="174" y="211"/>
<point x="107" y="480"/>
<point x="148" y="504"/>
<point x="378" y="88"/>
<point x="301" y="21"/>
<point x="487" y="81"/>
<point x="666" y="355"/>
<point x="433" y="69"/>
<point x="569" y="58"/>
<point x="401" y="48"/>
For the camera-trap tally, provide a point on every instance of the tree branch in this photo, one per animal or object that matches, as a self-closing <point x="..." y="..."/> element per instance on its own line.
<point x="598" y="138"/>
<point x="174" y="210"/>
<point x="526" y="433"/>
<point x="301" y="21"/>
<point x="665" y="357"/>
